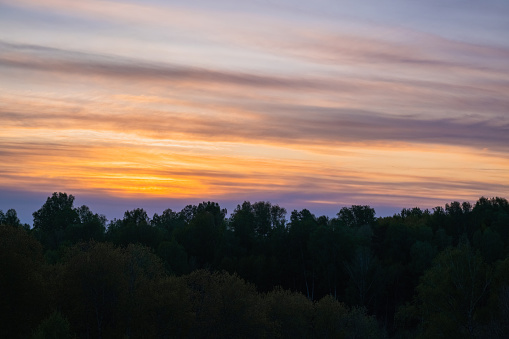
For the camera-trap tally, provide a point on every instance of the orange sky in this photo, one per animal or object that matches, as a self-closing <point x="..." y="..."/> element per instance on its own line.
<point x="245" y="102"/>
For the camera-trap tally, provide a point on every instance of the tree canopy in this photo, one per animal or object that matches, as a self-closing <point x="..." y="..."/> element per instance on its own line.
<point x="201" y="273"/>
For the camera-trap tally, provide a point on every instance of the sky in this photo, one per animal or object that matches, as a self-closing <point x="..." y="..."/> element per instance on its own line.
<point x="306" y="104"/>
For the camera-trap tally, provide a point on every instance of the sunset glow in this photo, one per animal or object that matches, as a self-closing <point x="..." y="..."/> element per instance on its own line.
<point x="305" y="104"/>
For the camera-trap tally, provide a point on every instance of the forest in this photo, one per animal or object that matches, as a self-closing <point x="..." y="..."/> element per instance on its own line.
<point x="256" y="273"/>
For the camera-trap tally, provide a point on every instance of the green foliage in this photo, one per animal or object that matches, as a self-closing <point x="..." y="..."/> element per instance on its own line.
<point x="10" y="218"/>
<point x="356" y="216"/>
<point x="406" y="321"/>
<point x="90" y="226"/>
<point x="358" y="324"/>
<point x="103" y="288"/>
<point x="242" y="222"/>
<point x="490" y="244"/>
<point x="58" y="223"/>
<point x="258" y="219"/>
<point x="333" y="319"/>
<point x="56" y="214"/>
<point x="170" y="309"/>
<point x="416" y="274"/>
<point x="204" y="226"/>
<point x="23" y="299"/>
<point x="329" y="318"/>
<point x="93" y="288"/>
<point x="168" y="221"/>
<point x="365" y="277"/>
<point x="498" y="304"/>
<point x="453" y="293"/>
<point x="134" y="228"/>
<point x="422" y="254"/>
<point x="302" y="225"/>
<point x="289" y="314"/>
<point x="56" y="326"/>
<point x="330" y="246"/>
<point x="174" y="255"/>
<point x="225" y="306"/>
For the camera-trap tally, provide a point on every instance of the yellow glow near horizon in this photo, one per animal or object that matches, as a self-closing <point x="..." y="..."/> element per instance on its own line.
<point x="124" y="164"/>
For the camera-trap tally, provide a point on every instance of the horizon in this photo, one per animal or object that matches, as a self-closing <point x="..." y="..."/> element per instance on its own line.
<point x="115" y="209"/>
<point x="315" y="105"/>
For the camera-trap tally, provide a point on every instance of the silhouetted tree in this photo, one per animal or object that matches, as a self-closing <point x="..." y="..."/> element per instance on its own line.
<point x="11" y="218"/>
<point x="356" y="216"/>
<point x="90" y="226"/>
<point x="453" y="292"/>
<point x="23" y="293"/>
<point x="134" y="228"/>
<point x="53" y="218"/>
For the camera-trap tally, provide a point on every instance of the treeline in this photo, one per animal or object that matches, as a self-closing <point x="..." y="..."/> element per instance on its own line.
<point x="196" y="273"/>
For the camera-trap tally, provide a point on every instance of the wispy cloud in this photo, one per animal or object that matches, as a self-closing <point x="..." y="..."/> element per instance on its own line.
<point x="267" y="123"/>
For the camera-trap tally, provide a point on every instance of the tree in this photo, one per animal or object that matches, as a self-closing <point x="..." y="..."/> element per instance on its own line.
<point x="242" y="222"/>
<point x="330" y="245"/>
<point x="167" y="221"/>
<point x="499" y="301"/>
<point x="289" y="314"/>
<point x="202" y="234"/>
<point x="302" y="225"/>
<point x="134" y="228"/>
<point x="174" y="256"/>
<point x="267" y="217"/>
<point x="23" y="293"/>
<point x="93" y="289"/>
<point x="137" y="217"/>
<point x="453" y="292"/>
<point x="171" y="310"/>
<point x="364" y="273"/>
<point x="490" y="244"/>
<point x="329" y="318"/>
<point x="141" y="269"/>
<point x="9" y="218"/>
<point x="358" y="324"/>
<point x="458" y="221"/>
<point x="56" y="326"/>
<point x="113" y="292"/>
<point x="356" y="216"/>
<point x="53" y="218"/>
<point x="493" y="213"/>
<point x="56" y="214"/>
<point x="91" y="226"/>
<point x="225" y="306"/>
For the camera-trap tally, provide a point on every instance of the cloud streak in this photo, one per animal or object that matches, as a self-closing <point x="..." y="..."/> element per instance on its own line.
<point x="281" y="124"/>
<point x="483" y="90"/>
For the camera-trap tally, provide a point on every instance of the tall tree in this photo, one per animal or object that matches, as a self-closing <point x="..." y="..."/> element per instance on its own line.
<point x="302" y="225"/>
<point x="9" y="218"/>
<point x="53" y="218"/>
<point x="23" y="293"/>
<point x="93" y="289"/>
<point x="134" y="228"/>
<point x="202" y="234"/>
<point x="357" y="216"/>
<point x="90" y="226"/>
<point x="453" y="292"/>
<point x="56" y="214"/>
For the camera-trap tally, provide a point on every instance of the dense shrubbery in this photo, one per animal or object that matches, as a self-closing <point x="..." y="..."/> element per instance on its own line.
<point x="196" y="273"/>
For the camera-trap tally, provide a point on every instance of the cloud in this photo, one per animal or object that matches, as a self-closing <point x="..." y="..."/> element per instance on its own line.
<point x="472" y="90"/>
<point x="266" y="123"/>
<point x="403" y="48"/>
<point x="44" y="59"/>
